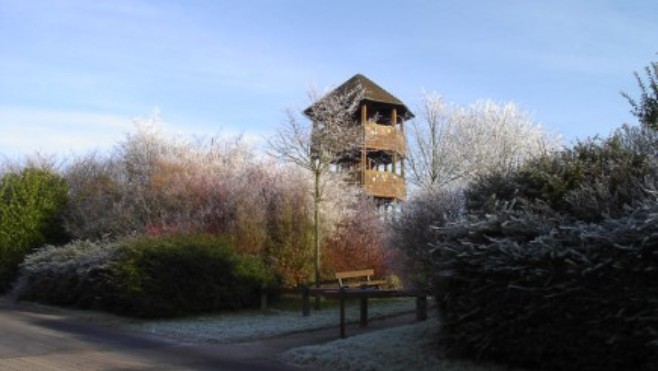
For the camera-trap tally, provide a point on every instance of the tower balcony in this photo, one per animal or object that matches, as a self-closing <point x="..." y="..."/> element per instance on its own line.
<point x="384" y="184"/>
<point x="385" y="138"/>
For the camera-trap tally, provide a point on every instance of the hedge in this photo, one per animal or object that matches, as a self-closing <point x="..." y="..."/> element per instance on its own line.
<point x="144" y="277"/>
<point x="532" y="289"/>
<point x="31" y="205"/>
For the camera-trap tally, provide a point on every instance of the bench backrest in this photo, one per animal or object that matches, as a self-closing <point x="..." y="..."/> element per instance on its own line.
<point x="366" y="273"/>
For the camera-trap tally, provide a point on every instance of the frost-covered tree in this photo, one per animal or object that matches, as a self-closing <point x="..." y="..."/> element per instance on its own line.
<point x="451" y="145"/>
<point x="156" y="183"/>
<point x="96" y="206"/>
<point x="318" y="141"/>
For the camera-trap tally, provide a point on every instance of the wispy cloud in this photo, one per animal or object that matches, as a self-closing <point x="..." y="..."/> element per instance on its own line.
<point x="53" y="132"/>
<point x="50" y="131"/>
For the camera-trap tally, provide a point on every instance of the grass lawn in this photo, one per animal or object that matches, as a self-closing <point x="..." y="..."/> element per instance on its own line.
<point x="281" y="319"/>
<point x="403" y="348"/>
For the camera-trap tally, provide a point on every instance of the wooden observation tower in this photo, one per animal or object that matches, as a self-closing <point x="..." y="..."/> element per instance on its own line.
<point x="376" y="163"/>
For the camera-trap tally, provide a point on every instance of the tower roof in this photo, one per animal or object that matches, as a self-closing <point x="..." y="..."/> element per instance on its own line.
<point x="372" y="93"/>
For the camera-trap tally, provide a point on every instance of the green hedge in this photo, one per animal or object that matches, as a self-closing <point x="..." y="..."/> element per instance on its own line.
<point x="145" y="277"/>
<point x="32" y="202"/>
<point x="528" y="289"/>
<point x="161" y="277"/>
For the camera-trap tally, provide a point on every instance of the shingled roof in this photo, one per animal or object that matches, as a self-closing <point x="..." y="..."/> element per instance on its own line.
<point x="372" y="93"/>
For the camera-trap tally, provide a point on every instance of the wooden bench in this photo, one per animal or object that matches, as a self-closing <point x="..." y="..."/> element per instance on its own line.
<point x="356" y="279"/>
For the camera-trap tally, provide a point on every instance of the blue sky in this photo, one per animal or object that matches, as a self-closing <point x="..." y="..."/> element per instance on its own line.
<point x="75" y="74"/>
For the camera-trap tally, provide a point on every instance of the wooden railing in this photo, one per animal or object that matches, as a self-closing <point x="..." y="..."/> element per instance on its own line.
<point x="384" y="184"/>
<point x="385" y="137"/>
<point x="343" y="294"/>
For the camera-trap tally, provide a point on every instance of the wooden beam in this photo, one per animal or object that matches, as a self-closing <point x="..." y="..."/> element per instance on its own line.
<point x="394" y="162"/>
<point x="364" y="121"/>
<point x="404" y="137"/>
<point x="394" y="117"/>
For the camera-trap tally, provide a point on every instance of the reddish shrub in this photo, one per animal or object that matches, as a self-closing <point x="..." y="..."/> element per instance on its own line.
<point x="359" y="242"/>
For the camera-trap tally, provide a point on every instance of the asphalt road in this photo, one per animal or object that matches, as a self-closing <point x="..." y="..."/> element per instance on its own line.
<point x="38" y="341"/>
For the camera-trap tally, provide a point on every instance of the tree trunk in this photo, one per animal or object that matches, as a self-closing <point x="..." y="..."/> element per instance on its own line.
<point x="316" y="235"/>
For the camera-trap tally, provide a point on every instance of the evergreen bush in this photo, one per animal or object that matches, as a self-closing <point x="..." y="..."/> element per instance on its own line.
<point x="556" y="266"/>
<point x="527" y="289"/>
<point x="179" y="275"/>
<point x="594" y="179"/>
<point x="32" y="202"/>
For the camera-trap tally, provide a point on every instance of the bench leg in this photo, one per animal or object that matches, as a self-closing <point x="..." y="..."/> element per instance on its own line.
<point x="421" y="308"/>
<point x="364" y="312"/>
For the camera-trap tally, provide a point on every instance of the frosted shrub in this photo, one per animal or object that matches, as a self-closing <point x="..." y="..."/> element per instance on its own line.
<point x="360" y="240"/>
<point x="594" y="179"/>
<point x="77" y="274"/>
<point x="414" y="230"/>
<point x="531" y="289"/>
<point x="556" y="265"/>
<point x="160" y="186"/>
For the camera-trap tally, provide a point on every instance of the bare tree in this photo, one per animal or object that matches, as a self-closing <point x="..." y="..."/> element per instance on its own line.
<point x="329" y="134"/>
<point x="451" y="145"/>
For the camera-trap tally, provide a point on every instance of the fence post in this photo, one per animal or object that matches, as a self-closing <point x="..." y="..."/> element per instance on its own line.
<point x="263" y="298"/>
<point x="306" y="304"/>
<point x="421" y="307"/>
<point x="363" y="320"/>
<point x="342" y="313"/>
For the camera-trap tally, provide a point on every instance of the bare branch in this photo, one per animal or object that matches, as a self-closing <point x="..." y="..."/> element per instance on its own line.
<point x="327" y="133"/>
